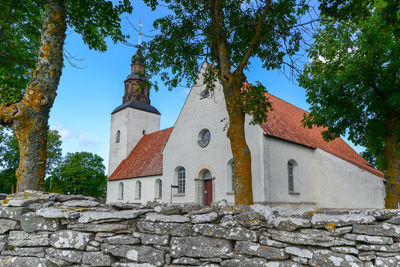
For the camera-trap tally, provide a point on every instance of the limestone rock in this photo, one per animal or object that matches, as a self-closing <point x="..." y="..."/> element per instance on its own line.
<point x="131" y="264"/>
<point x="204" y="218"/>
<point x="384" y="248"/>
<point x="58" y="213"/>
<point x="384" y="229"/>
<point x="251" y="220"/>
<point x="92" y="216"/>
<point x="7" y="225"/>
<point x="96" y="259"/>
<point x="269" y="242"/>
<point x="390" y="261"/>
<point x="199" y="246"/>
<point x="171" y="209"/>
<point x="290" y="223"/>
<point x="304" y="213"/>
<point x="81" y="203"/>
<point x="143" y="254"/>
<point x="263" y="210"/>
<point x="186" y="261"/>
<point x="233" y="233"/>
<point x="155" y="217"/>
<point x="30" y="222"/>
<point x="12" y="213"/>
<point x="255" y="249"/>
<point x="122" y="240"/>
<point x="299" y="252"/>
<point x="23" y="199"/>
<point x="70" y="239"/>
<point x="23" y="261"/>
<point x="22" y="239"/>
<point x="309" y="237"/>
<point x="321" y="220"/>
<point x="124" y="206"/>
<point x="377" y="240"/>
<point x="345" y="250"/>
<point x="331" y="259"/>
<point x="25" y="252"/>
<point x="340" y="231"/>
<point x="161" y="240"/>
<point x="161" y="228"/>
<point x="71" y="256"/>
<point x="104" y="227"/>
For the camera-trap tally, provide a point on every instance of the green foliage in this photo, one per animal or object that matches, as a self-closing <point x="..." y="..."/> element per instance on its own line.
<point x="20" y="27"/>
<point x="20" y="23"/>
<point x="185" y="40"/>
<point x="79" y="173"/>
<point x="353" y="80"/>
<point x="9" y="157"/>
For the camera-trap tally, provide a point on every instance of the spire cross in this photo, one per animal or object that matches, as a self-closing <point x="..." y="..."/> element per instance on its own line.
<point x="140" y="29"/>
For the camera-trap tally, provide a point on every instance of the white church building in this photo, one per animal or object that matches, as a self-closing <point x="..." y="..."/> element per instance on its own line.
<point x="192" y="161"/>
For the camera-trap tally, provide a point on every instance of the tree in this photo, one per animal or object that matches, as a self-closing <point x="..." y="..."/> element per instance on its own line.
<point x="79" y="173"/>
<point x="226" y="33"/>
<point x="9" y="157"/>
<point x="26" y="111"/>
<point x="353" y="81"/>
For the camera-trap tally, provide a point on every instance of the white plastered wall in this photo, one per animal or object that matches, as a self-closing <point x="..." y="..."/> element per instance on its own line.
<point x="182" y="149"/>
<point x="129" y="196"/>
<point x="277" y="154"/>
<point x="344" y="185"/>
<point x="321" y="180"/>
<point x="131" y="123"/>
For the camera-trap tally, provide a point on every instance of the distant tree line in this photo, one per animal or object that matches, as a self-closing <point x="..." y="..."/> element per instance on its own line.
<point x="75" y="173"/>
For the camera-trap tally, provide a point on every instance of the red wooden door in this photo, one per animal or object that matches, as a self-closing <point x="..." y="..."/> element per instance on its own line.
<point x="207" y="192"/>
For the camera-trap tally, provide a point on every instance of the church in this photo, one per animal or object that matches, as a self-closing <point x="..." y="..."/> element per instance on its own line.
<point x="192" y="161"/>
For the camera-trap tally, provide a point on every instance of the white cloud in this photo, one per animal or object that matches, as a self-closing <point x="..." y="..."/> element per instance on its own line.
<point x="85" y="139"/>
<point x="64" y="132"/>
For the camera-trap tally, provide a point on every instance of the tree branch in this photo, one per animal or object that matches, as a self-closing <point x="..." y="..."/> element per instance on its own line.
<point x="255" y="39"/>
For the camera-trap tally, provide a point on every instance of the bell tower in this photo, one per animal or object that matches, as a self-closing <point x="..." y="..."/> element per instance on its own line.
<point x="135" y="117"/>
<point x="136" y="84"/>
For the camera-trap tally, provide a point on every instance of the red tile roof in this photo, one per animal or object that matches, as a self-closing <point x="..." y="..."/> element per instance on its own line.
<point x="146" y="158"/>
<point x="284" y="122"/>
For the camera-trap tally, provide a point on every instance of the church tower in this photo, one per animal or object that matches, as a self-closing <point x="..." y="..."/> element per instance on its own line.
<point x="135" y="117"/>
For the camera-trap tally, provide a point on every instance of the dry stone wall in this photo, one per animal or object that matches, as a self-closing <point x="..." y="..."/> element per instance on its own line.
<point x="41" y="229"/>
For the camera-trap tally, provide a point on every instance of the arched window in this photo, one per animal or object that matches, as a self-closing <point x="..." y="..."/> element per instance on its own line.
<point x="291" y="165"/>
<point x="232" y="165"/>
<point x="158" y="189"/>
<point x="121" y="190"/>
<point x="118" y="137"/>
<point x="138" y="189"/>
<point x="181" y="180"/>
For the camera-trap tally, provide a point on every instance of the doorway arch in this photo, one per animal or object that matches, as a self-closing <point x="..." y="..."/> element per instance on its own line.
<point x="205" y="188"/>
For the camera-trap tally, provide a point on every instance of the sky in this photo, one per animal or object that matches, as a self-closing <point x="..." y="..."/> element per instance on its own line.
<point x="87" y="94"/>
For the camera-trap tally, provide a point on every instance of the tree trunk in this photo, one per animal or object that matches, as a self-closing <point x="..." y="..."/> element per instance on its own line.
<point x="29" y="117"/>
<point x="392" y="174"/>
<point x="236" y="133"/>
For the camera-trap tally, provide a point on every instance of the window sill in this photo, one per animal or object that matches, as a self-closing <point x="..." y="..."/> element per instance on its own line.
<point x="157" y="198"/>
<point x="137" y="198"/>
<point x="294" y="193"/>
<point x="230" y="193"/>
<point x="179" y="195"/>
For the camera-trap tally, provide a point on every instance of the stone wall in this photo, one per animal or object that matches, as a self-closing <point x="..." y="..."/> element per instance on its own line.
<point x="38" y="229"/>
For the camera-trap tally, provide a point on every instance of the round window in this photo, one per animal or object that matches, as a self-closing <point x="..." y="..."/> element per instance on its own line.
<point x="204" y="137"/>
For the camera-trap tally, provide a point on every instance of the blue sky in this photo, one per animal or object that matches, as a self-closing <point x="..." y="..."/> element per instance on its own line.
<point x="87" y="95"/>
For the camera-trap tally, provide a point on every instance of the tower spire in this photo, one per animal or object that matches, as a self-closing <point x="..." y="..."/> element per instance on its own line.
<point x="140" y="30"/>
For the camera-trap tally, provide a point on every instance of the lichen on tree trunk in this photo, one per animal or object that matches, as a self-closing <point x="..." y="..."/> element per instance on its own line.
<point x="240" y="150"/>
<point x="392" y="173"/>
<point x="29" y="117"/>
